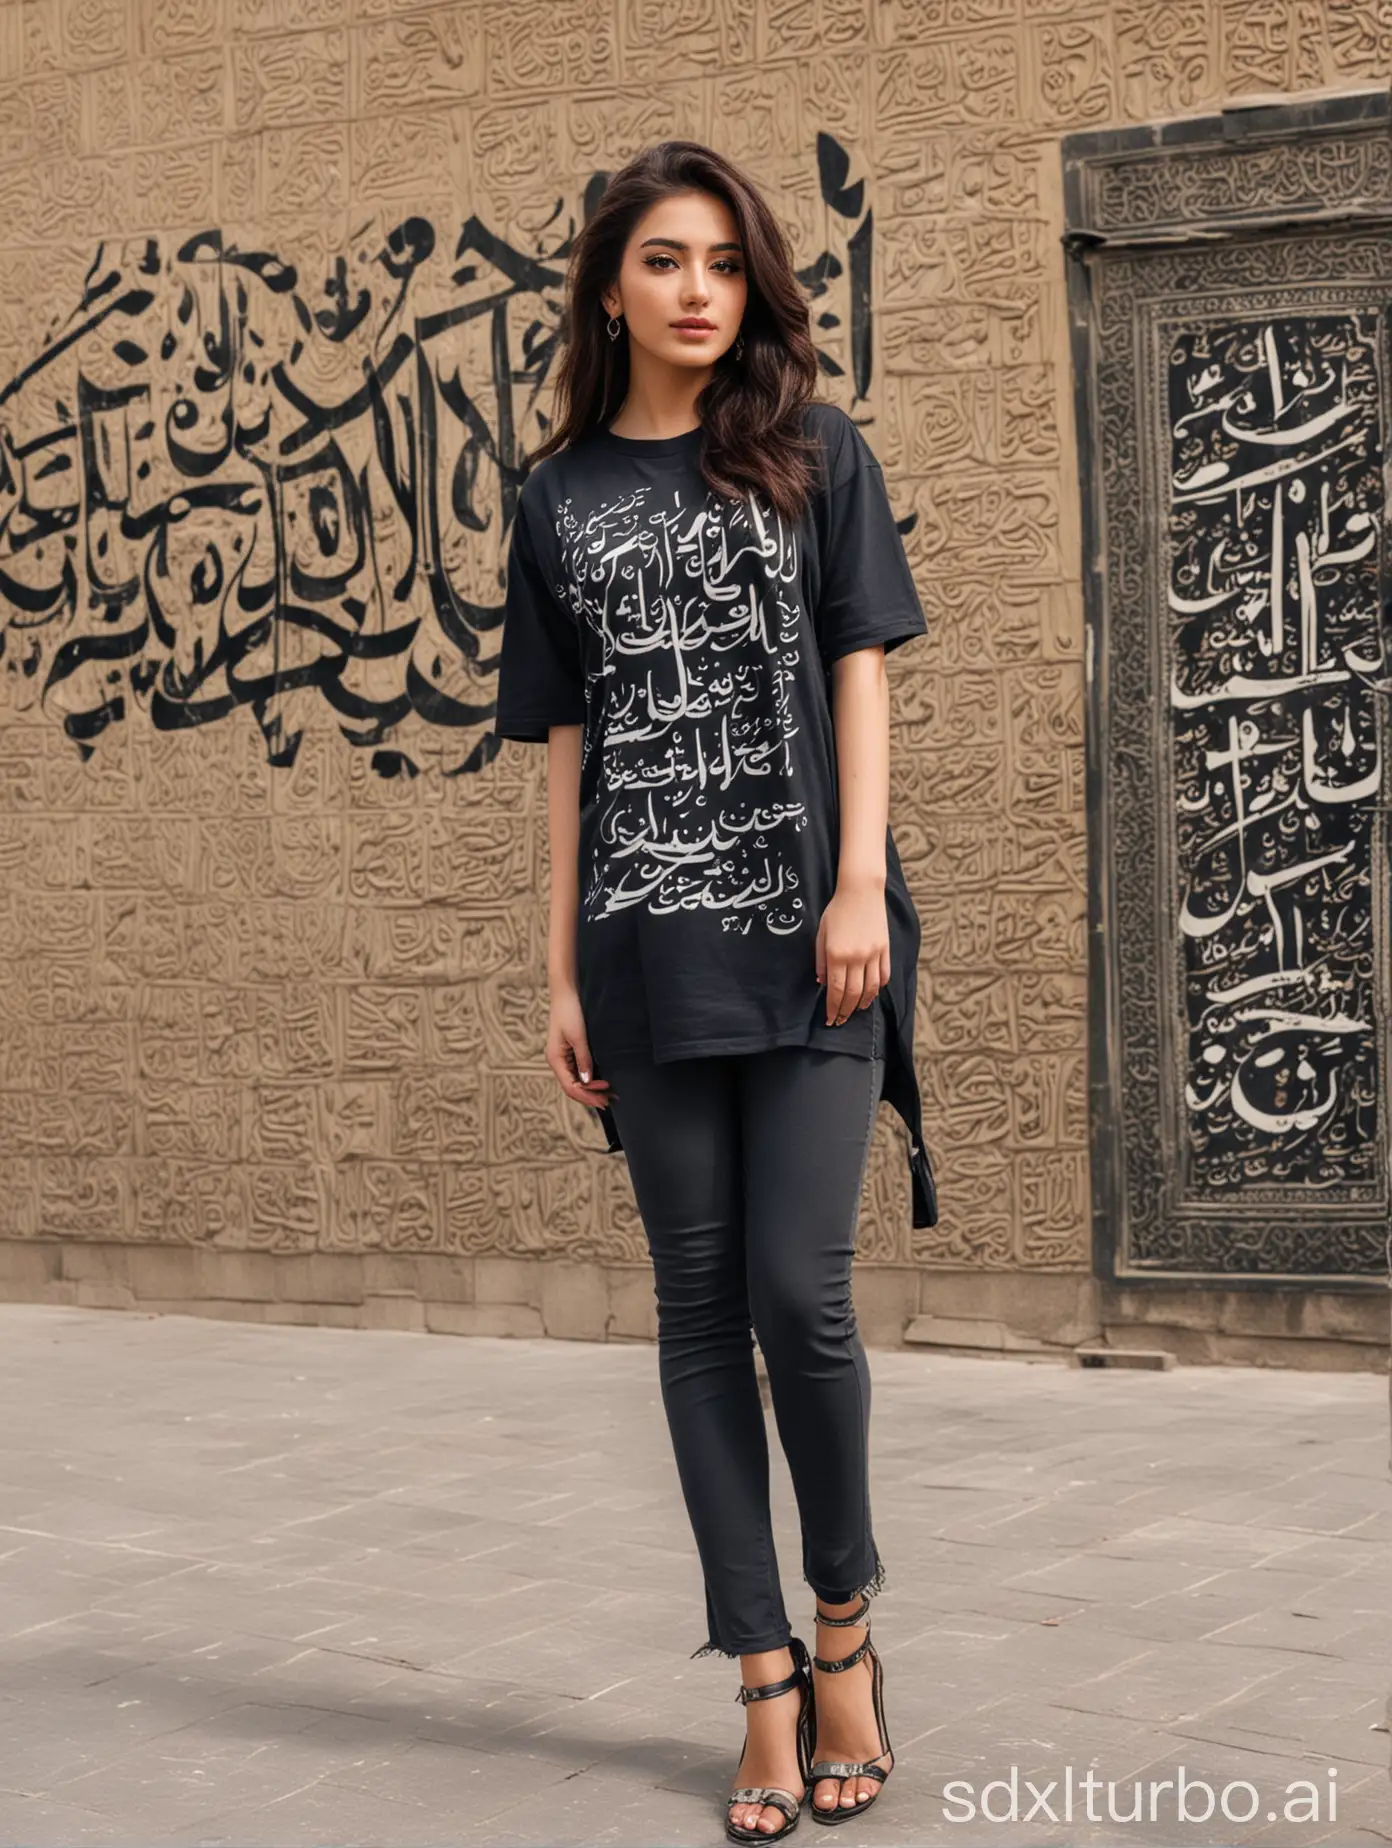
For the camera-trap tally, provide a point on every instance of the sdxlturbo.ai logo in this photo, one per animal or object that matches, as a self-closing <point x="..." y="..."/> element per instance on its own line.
<point x="1193" y="1800"/>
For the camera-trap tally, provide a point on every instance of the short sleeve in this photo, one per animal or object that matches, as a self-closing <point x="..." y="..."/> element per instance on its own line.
<point x="541" y="680"/>
<point x="867" y="595"/>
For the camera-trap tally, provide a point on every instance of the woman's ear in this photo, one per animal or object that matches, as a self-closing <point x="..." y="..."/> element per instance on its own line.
<point x="611" y="301"/>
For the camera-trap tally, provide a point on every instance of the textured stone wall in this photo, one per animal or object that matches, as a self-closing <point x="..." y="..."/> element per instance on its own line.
<point x="271" y="940"/>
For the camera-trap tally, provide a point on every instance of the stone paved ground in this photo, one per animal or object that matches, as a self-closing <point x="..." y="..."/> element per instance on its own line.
<point x="275" y="1585"/>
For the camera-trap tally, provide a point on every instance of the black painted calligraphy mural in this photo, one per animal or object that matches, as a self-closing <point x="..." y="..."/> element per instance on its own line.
<point x="847" y="200"/>
<point x="1275" y="515"/>
<point x="227" y="481"/>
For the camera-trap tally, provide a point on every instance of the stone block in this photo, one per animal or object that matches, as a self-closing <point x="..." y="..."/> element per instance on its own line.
<point x="405" y="1313"/>
<point x="632" y="1305"/>
<point x="320" y="1277"/>
<point x="483" y="1319"/>
<point x="1058" y="1306"/>
<point x="31" y="1266"/>
<point x="955" y="1331"/>
<point x="313" y="1315"/>
<point x="1348" y="1315"/>
<point x="507" y="1280"/>
<point x="94" y="1294"/>
<point x="1281" y="1318"/>
<point x="1278" y="1312"/>
<point x="218" y="1310"/>
<point x="391" y="1273"/>
<point x="1192" y="1347"/>
<point x="446" y="1277"/>
<point x="239" y="1276"/>
<point x="885" y="1296"/>
<point x="164" y="1274"/>
<point x="574" y="1301"/>
<point x="83" y="1263"/>
<point x="49" y="1291"/>
<point x="1307" y="1354"/>
<point x="1194" y="1308"/>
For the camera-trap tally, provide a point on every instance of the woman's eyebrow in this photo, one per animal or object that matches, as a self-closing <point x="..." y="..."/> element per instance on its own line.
<point x="675" y="243"/>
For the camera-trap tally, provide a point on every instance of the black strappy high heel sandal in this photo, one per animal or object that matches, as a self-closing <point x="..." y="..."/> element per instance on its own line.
<point x="783" y="1800"/>
<point x="844" y="1768"/>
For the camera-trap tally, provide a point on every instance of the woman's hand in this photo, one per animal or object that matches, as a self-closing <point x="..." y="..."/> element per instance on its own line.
<point x="853" y="947"/>
<point x="568" y="1050"/>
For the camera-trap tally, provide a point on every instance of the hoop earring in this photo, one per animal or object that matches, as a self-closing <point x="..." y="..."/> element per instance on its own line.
<point x="613" y="327"/>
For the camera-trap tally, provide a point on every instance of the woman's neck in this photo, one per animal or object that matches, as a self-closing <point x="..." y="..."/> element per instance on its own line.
<point x="661" y="400"/>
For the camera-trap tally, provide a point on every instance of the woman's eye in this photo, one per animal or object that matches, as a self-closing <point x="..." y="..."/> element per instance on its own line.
<point x="721" y="263"/>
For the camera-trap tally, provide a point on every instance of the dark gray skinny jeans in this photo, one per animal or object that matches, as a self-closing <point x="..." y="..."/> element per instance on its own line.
<point x="747" y="1169"/>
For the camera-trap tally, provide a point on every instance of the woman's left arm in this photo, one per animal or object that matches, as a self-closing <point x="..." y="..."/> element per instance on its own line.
<point x="853" y="936"/>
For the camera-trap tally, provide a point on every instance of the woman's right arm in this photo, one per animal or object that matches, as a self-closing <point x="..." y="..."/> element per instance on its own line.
<point x="567" y="1044"/>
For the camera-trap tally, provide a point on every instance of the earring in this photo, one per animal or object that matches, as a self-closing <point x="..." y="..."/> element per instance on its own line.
<point x="614" y="327"/>
<point x="739" y="346"/>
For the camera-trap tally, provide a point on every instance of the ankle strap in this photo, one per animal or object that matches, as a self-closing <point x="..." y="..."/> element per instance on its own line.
<point x="837" y="1623"/>
<point x="801" y="1676"/>
<point x="834" y="1668"/>
<point x="770" y="1688"/>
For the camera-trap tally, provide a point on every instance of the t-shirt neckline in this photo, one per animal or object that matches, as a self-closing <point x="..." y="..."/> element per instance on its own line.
<point x="649" y="445"/>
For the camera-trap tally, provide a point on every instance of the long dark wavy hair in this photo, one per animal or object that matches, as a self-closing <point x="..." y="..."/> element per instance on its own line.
<point x="751" y="411"/>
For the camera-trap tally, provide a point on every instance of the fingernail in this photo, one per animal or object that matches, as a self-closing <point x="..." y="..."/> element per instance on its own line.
<point x="584" y="1077"/>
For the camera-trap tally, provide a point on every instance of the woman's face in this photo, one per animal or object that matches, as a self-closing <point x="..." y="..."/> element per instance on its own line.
<point x="681" y="287"/>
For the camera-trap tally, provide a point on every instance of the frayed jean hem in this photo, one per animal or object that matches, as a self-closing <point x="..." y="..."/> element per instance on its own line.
<point x="715" y="1649"/>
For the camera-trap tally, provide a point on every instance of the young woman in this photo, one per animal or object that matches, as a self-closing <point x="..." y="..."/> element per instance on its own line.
<point x="704" y="579"/>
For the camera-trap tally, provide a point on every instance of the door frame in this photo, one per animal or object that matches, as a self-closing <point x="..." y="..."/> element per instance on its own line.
<point x="1252" y="172"/>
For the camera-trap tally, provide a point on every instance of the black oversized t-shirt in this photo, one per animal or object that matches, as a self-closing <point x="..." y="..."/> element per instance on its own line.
<point x="692" y="637"/>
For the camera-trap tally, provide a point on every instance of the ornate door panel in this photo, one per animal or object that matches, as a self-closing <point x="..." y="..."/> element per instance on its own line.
<point x="1231" y="291"/>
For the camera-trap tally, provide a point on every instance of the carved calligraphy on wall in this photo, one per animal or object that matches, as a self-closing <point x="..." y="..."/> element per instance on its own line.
<point x="1275" y="516"/>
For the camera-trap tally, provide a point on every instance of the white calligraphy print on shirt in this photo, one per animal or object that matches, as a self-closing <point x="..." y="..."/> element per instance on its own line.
<point x="696" y="612"/>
